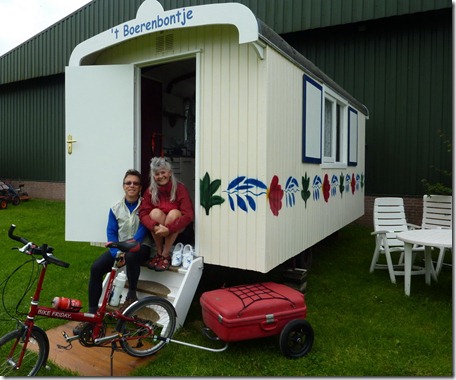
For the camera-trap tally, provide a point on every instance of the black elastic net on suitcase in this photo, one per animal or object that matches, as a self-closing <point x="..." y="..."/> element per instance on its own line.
<point x="249" y="294"/>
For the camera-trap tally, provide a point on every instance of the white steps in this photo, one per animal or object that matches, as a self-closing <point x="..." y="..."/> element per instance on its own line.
<point x="178" y="285"/>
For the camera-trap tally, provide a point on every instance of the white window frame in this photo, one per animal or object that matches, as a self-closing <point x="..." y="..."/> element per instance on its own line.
<point x="329" y="149"/>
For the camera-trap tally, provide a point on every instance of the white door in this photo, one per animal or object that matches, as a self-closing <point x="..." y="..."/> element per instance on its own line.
<point x="99" y="105"/>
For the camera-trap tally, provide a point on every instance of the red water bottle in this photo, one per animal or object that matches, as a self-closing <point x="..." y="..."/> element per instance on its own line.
<point x="63" y="303"/>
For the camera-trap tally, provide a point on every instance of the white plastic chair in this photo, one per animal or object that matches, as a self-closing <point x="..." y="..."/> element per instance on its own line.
<point x="389" y="220"/>
<point x="437" y="213"/>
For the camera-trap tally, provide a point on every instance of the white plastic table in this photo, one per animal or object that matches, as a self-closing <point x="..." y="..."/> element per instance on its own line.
<point x="428" y="238"/>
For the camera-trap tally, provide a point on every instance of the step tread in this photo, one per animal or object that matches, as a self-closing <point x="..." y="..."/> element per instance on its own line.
<point x="152" y="287"/>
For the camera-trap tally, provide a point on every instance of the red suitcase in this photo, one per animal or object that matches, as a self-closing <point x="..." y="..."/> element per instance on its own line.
<point x="251" y="311"/>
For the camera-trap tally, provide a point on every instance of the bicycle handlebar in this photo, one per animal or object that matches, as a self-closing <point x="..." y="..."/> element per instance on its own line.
<point x="45" y="251"/>
<point x="14" y="237"/>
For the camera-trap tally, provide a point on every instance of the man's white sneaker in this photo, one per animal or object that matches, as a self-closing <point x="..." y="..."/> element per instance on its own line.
<point x="177" y="255"/>
<point x="187" y="256"/>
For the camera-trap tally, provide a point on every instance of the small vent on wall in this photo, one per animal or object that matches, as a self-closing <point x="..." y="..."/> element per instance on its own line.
<point x="164" y="42"/>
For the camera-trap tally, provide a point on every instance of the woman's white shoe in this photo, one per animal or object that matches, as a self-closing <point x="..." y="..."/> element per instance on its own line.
<point x="177" y="255"/>
<point x="187" y="256"/>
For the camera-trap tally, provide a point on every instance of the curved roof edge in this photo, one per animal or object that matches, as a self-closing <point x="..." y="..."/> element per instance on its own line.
<point x="151" y="18"/>
<point x="274" y="40"/>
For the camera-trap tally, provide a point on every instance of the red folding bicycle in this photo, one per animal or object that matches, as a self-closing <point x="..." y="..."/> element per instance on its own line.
<point x="141" y="330"/>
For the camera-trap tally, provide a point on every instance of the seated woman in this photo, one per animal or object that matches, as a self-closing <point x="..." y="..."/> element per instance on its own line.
<point x="166" y="210"/>
<point x="123" y="224"/>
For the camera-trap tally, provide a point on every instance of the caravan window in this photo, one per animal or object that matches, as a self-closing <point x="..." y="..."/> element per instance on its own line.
<point x="329" y="127"/>
<point x="334" y="129"/>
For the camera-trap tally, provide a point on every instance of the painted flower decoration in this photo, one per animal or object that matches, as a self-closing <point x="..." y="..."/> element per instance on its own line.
<point x="242" y="190"/>
<point x="353" y="183"/>
<point x="275" y="195"/>
<point x="326" y="188"/>
<point x="347" y="181"/>
<point x="341" y="185"/>
<point x="334" y="185"/>
<point x="291" y="187"/>
<point x="305" y="192"/>
<point x="316" y="186"/>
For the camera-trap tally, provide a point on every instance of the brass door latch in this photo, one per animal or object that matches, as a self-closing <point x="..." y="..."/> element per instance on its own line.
<point x="70" y="142"/>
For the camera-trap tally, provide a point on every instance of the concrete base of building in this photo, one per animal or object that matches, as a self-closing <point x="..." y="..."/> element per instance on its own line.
<point x="43" y="190"/>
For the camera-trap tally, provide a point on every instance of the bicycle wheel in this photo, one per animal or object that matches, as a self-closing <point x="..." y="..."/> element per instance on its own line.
<point x="296" y="338"/>
<point x="154" y="312"/>
<point x="34" y="358"/>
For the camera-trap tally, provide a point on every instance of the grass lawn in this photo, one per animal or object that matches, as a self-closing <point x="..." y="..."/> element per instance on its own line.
<point x="364" y="325"/>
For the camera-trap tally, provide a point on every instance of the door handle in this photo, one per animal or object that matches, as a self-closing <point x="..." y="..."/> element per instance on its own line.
<point x="70" y="142"/>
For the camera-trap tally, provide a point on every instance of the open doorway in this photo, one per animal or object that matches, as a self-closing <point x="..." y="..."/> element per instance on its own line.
<point x="168" y="118"/>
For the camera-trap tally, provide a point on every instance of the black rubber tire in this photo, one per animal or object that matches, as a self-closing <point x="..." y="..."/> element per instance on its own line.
<point x="35" y="357"/>
<point x="296" y="338"/>
<point x="151" y="311"/>
<point x="3" y="204"/>
<point x="16" y="201"/>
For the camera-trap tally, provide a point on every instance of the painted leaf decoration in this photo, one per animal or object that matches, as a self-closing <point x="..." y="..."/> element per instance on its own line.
<point x="317" y="182"/>
<point x="241" y="203"/>
<point x="287" y="184"/>
<point x="251" y="201"/>
<point x="214" y="186"/>
<point x="294" y="181"/>
<point x="205" y="181"/>
<point x="217" y="200"/>
<point x="235" y="182"/>
<point x="257" y="183"/>
<point x="231" y="202"/>
<point x="244" y="187"/>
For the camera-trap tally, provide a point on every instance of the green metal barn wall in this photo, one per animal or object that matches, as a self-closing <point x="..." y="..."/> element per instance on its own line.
<point x="33" y="118"/>
<point x="401" y="69"/>
<point x="403" y="74"/>
<point x="49" y="51"/>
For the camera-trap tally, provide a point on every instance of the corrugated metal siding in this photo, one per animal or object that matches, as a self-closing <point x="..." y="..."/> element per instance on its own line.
<point x="357" y="70"/>
<point x="286" y="16"/>
<point x="403" y="74"/>
<point x="48" y="52"/>
<point x="33" y="117"/>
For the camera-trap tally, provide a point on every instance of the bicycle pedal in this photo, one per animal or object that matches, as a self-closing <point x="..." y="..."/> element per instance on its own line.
<point x="68" y="338"/>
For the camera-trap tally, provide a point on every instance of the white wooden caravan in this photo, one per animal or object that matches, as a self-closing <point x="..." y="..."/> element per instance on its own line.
<point x="271" y="148"/>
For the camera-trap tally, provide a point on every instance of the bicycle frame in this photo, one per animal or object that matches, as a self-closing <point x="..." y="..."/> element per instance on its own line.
<point x="157" y="324"/>
<point x="142" y="329"/>
<point x="50" y="312"/>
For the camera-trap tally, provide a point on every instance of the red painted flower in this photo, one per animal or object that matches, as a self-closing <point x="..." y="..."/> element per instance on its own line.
<point x="326" y="187"/>
<point x="275" y="195"/>
<point x="353" y="183"/>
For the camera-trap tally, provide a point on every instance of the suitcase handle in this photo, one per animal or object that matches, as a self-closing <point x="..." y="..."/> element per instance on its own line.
<point x="269" y="325"/>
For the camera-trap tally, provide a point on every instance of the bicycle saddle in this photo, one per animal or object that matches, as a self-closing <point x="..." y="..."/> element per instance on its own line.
<point x="130" y="245"/>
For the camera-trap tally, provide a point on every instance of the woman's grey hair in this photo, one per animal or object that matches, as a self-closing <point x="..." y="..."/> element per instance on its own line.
<point x="157" y="164"/>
